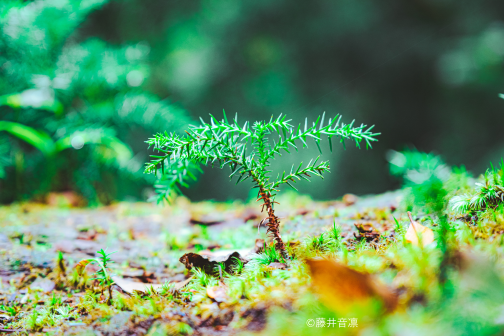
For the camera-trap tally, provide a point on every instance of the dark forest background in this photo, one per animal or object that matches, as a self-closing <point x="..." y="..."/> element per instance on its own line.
<point x="427" y="73"/>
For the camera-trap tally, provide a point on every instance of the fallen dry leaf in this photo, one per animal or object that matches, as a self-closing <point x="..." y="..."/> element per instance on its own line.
<point x="416" y="231"/>
<point x="366" y="231"/>
<point x="340" y="287"/>
<point x="81" y="266"/>
<point x="259" y="245"/>
<point x="209" y="261"/>
<point x="349" y="199"/>
<point x="218" y="293"/>
<point x="131" y="286"/>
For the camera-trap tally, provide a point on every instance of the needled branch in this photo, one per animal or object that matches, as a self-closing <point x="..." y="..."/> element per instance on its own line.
<point x="226" y="143"/>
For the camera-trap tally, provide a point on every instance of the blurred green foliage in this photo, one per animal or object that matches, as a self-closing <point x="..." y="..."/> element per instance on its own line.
<point x="426" y="72"/>
<point x="429" y="183"/>
<point x="72" y="112"/>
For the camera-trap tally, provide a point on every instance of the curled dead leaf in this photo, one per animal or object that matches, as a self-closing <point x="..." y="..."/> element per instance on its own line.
<point x="80" y="266"/>
<point x="417" y="232"/>
<point x="340" y="287"/>
<point x="211" y="261"/>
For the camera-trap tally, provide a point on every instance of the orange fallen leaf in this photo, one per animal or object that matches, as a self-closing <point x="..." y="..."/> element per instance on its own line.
<point x="417" y="232"/>
<point x="82" y="265"/>
<point x="340" y="287"/>
<point x="218" y="293"/>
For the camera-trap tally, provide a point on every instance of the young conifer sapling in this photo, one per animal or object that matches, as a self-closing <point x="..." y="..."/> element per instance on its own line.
<point x="248" y="150"/>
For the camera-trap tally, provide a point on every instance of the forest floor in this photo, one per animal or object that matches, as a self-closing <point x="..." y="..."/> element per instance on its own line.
<point x="352" y="272"/>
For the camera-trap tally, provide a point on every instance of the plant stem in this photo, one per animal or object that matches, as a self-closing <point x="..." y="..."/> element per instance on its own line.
<point x="273" y="221"/>
<point x="109" y="301"/>
<point x="273" y="225"/>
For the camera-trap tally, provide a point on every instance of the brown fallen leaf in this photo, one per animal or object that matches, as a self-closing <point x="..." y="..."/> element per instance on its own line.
<point x="417" y="232"/>
<point x="210" y="261"/>
<point x="87" y="235"/>
<point x="250" y="214"/>
<point x="207" y="219"/>
<point x="366" y="231"/>
<point x="340" y="287"/>
<point x="218" y="293"/>
<point x="141" y="275"/>
<point x="349" y="199"/>
<point x="131" y="286"/>
<point x="259" y="245"/>
<point x="81" y="266"/>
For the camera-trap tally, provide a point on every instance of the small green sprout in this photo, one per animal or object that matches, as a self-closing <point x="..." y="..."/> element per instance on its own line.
<point x="168" y="288"/>
<point x="488" y="195"/>
<point x="103" y="274"/>
<point x="248" y="150"/>
<point x="399" y="229"/>
<point x="201" y="279"/>
<point x="269" y="255"/>
<point x="318" y="243"/>
<point x="238" y="266"/>
<point x="335" y="234"/>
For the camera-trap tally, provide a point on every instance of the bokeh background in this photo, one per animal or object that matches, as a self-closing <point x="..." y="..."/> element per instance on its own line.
<point x="84" y="83"/>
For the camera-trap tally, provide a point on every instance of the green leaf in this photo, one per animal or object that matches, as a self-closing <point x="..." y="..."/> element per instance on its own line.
<point x="113" y="149"/>
<point x="22" y="100"/>
<point x="37" y="139"/>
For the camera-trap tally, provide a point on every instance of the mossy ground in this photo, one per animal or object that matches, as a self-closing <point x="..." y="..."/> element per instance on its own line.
<point x="40" y="293"/>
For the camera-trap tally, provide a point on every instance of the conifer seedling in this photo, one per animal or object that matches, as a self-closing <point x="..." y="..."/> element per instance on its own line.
<point x="248" y="150"/>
